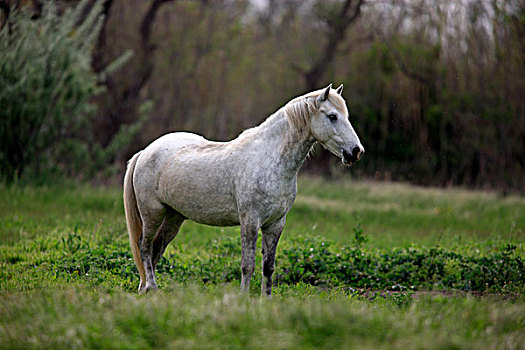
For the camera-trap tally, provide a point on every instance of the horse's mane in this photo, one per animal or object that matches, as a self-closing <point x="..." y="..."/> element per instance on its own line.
<point x="299" y="109"/>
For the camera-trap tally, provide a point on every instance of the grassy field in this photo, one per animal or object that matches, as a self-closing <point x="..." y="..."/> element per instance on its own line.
<point x="360" y="265"/>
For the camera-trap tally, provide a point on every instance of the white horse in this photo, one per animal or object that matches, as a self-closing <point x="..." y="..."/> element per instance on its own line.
<point x="251" y="181"/>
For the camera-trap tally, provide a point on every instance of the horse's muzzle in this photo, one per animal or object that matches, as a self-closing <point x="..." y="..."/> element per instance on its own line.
<point x="352" y="157"/>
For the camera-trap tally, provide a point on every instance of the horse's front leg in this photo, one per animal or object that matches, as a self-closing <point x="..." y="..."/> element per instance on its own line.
<point x="270" y="238"/>
<point x="249" y="232"/>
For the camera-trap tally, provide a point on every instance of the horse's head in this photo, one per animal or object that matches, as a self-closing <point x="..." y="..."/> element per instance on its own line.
<point x="330" y="126"/>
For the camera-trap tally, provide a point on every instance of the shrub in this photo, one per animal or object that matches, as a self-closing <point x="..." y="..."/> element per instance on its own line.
<point x="46" y="85"/>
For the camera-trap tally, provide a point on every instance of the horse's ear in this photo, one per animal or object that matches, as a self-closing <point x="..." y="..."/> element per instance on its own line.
<point x="339" y="90"/>
<point x="324" y="95"/>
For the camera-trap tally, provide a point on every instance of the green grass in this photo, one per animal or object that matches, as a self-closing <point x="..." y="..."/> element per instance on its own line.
<point x="359" y="265"/>
<point x="398" y="215"/>
<point x="215" y="318"/>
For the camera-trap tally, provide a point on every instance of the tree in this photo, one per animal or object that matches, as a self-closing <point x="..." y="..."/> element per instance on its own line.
<point x="123" y="99"/>
<point x="337" y="19"/>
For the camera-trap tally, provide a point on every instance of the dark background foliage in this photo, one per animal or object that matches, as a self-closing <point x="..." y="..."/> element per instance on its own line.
<point x="435" y="89"/>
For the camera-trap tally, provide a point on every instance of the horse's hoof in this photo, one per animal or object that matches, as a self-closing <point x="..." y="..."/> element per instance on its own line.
<point x="148" y="289"/>
<point x="142" y="286"/>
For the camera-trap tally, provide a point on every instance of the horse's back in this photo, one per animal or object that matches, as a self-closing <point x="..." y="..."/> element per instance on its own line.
<point x="176" y="140"/>
<point x="191" y="175"/>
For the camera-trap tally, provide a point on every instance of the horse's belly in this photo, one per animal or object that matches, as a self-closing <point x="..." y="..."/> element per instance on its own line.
<point x="204" y="199"/>
<point x="209" y="214"/>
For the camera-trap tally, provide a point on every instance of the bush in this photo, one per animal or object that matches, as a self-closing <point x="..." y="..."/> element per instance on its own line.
<point x="46" y="85"/>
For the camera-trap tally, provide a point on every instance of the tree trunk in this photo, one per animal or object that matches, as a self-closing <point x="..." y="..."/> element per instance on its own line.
<point x="336" y="32"/>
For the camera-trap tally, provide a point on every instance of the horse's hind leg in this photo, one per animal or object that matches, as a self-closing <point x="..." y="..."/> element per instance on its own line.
<point x="152" y="219"/>
<point x="270" y="238"/>
<point x="167" y="232"/>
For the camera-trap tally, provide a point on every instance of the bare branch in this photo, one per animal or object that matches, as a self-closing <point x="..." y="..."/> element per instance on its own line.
<point x="349" y="47"/>
<point x="126" y="99"/>
<point x="336" y="34"/>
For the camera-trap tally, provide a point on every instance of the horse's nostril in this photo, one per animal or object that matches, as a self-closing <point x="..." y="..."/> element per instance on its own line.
<point x="356" y="153"/>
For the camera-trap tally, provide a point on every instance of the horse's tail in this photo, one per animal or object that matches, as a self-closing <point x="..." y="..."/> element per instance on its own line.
<point x="133" y="220"/>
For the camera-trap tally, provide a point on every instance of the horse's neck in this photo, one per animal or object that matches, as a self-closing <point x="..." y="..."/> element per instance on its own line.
<point x="289" y="146"/>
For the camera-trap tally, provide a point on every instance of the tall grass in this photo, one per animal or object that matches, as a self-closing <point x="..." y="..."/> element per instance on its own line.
<point x="216" y="318"/>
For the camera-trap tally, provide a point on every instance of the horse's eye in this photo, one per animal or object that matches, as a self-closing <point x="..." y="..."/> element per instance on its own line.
<point x="332" y="117"/>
